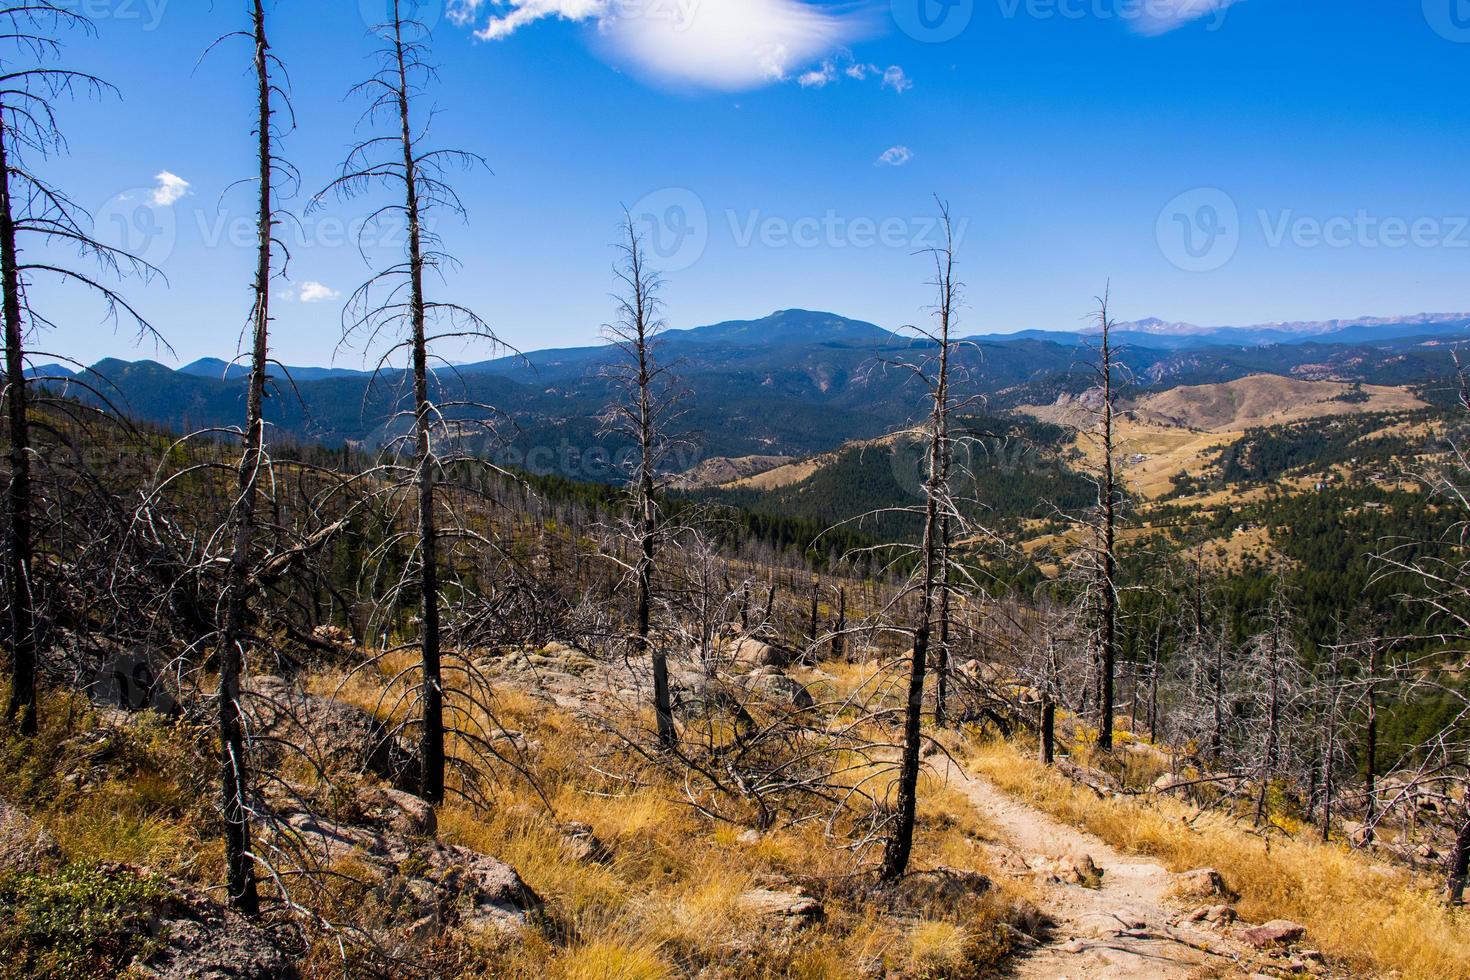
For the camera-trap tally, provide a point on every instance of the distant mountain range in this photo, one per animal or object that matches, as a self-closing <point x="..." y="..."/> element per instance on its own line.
<point x="793" y="383"/>
<point x="1164" y="335"/>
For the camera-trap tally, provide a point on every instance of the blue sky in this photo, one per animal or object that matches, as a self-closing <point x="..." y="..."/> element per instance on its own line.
<point x="1221" y="163"/>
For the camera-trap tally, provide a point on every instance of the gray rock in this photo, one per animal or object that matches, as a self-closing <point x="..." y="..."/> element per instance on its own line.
<point x="1277" y="932"/>
<point x="202" y="940"/>
<point x="751" y="653"/>
<point x="1200" y="885"/>
<point x="337" y="737"/>
<point x="419" y="879"/>
<point x="782" y="907"/>
<point x="779" y="689"/>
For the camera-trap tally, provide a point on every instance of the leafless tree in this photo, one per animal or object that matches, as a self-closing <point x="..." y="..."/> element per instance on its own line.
<point x="254" y="461"/>
<point x="933" y="552"/>
<point x="647" y="407"/>
<point x="392" y="313"/>
<point x="34" y="212"/>
<point x="1109" y="502"/>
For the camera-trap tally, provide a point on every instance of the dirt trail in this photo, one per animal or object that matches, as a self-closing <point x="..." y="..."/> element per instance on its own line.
<point x="1121" y="930"/>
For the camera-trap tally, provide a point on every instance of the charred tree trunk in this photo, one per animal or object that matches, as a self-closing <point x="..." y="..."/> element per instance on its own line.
<point x="1370" y="748"/>
<point x="431" y="690"/>
<point x="1459" y="866"/>
<point x="941" y="680"/>
<point x="22" y="708"/>
<point x="1109" y="583"/>
<point x="235" y="773"/>
<point x="899" y="846"/>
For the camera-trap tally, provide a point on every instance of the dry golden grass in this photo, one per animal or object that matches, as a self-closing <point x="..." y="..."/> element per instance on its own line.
<point x="1373" y="917"/>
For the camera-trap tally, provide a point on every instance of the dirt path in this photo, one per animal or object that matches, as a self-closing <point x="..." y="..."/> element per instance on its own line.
<point x="1121" y="930"/>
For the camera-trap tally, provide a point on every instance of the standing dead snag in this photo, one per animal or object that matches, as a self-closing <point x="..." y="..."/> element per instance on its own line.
<point x="32" y="209"/>
<point x="1107" y="528"/>
<point x="646" y="407"/>
<point x="235" y="774"/>
<point x="392" y="310"/>
<point x="937" y="505"/>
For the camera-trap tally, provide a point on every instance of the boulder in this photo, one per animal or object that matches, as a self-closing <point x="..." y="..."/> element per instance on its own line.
<point x="694" y="695"/>
<point x="202" y="940"/>
<point x="750" y="653"/>
<point x="928" y="893"/>
<point x="1215" y="915"/>
<point x="397" y="811"/>
<point x="337" y="737"/>
<point x="778" y="689"/>
<point x="1200" y="885"/>
<point x="24" y="846"/>
<point x="1072" y="869"/>
<point x="1277" y="932"/>
<point x="584" y="845"/>
<point x="421" y="884"/>
<point x="782" y="907"/>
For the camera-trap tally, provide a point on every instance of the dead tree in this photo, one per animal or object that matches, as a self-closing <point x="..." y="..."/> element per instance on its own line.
<point x="937" y="503"/>
<point x="235" y="774"/>
<point x="392" y="310"/>
<point x="1107" y="524"/>
<point x="33" y="210"/>
<point x="1276" y="687"/>
<point x="646" y="408"/>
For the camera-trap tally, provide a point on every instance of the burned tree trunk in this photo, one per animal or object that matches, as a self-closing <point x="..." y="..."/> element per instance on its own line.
<point x="22" y="708"/>
<point x="1108" y="565"/>
<point x="647" y="407"/>
<point x="899" y="844"/>
<point x="235" y="775"/>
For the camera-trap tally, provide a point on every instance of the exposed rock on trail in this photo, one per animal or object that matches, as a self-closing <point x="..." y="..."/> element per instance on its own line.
<point x="1121" y="928"/>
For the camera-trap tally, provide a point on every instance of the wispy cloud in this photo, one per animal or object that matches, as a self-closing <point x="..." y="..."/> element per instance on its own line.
<point x="315" y="292"/>
<point x="169" y="189"/>
<point x="728" y="45"/>
<point x="895" y="156"/>
<point x="833" y="69"/>
<point x="1163" y="16"/>
<point x="895" y="79"/>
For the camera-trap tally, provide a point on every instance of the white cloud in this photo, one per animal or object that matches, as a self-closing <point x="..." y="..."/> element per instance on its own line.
<point x="895" y="79"/>
<point x="728" y="45"/>
<point x="1163" y="16"/>
<point x="169" y="190"/>
<point x="315" y="292"/>
<point x="895" y="156"/>
<point x="832" y="69"/>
